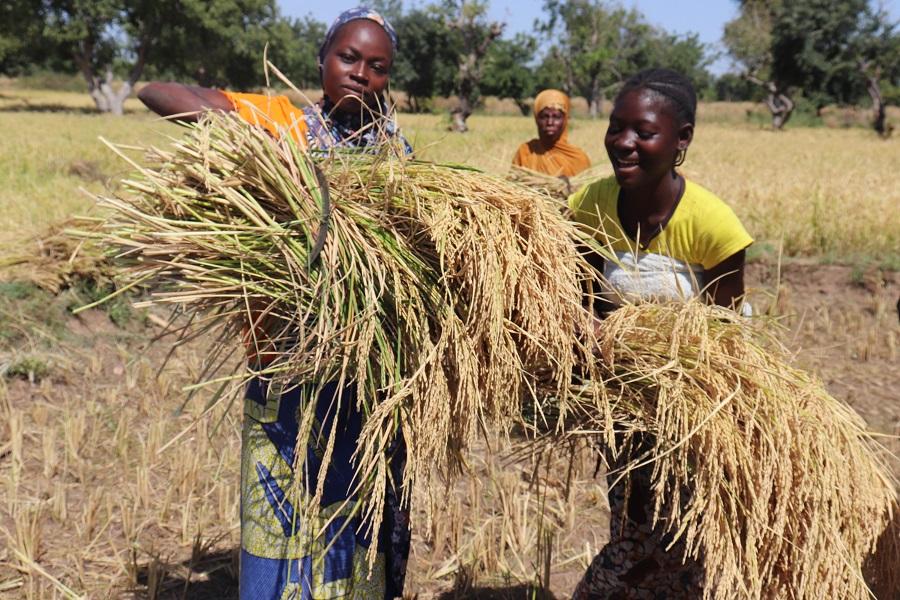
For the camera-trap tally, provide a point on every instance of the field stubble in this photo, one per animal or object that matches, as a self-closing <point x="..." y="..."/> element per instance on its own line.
<point x="101" y="499"/>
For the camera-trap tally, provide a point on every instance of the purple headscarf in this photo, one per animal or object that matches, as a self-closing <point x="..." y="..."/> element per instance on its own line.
<point x="353" y="14"/>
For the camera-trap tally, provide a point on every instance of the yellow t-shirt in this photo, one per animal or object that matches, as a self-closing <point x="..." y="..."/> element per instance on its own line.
<point x="702" y="231"/>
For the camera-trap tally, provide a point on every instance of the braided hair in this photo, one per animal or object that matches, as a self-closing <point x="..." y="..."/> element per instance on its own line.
<point x="676" y="89"/>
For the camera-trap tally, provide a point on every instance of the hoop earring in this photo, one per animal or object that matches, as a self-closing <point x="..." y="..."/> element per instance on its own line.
<point x="679" y="158"/>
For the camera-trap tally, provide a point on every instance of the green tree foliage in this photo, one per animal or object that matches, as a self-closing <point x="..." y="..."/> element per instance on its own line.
<point x="749" y="39"/>
<point x="830" y="51"/>
<point x="222" y="42"/>
<point x="596" y="45"/>
<point x="749" y="36"/>
<point x="810" y="48"/>
<point x="21" y="28"/>
<point x="877" y="50"/>
<point x="473" y="35"/>
<point x="426" y="63"/>
<point x="98" y="35"/>
<point x="731" y="87"/>
<point x="218" y="42"/>
<point x="507" y="71"/>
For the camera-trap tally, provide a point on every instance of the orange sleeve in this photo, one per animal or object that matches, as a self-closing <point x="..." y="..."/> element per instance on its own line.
<point x="275" y="113"/>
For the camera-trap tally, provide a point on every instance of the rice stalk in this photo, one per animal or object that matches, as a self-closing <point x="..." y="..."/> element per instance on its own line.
<point x="558" y="188"/>
<point x="774" y="484"/>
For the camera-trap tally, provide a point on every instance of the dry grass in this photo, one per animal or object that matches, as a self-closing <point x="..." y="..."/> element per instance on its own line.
<point x="824" y="192"/>
<point x="94" y="501"/>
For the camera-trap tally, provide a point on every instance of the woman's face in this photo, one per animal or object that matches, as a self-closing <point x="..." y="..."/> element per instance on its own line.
<point x="356" y="66"/>
<point x="644" y="138"/>
<point x="551" y="122"/>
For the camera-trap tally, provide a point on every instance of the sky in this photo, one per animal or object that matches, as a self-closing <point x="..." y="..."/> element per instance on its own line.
<point x="704" y="17"/>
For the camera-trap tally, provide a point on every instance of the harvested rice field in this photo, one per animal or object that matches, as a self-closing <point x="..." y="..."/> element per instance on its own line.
<point x="116" y="484"/>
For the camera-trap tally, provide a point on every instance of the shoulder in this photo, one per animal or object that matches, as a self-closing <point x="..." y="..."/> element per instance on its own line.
<point x="595" y="195"/>
<point x="261" y="107"/>
<point x="706" y="210"/>
<point x="716" y="230"/>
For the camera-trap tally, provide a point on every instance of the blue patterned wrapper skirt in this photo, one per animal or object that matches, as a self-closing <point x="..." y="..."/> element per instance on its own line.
<point x="281" y="555"/>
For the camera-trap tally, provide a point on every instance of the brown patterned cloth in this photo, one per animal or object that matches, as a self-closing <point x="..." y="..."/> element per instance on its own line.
<point x="637" y="563"/>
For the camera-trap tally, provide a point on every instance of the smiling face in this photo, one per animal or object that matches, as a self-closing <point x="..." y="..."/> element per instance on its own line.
<point x="356" y="66"/>
<point x="644" y="138"/>
<point x="551" y="122"/>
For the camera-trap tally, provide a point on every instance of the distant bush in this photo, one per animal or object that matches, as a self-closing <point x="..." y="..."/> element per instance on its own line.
<point x="50" y="80"/>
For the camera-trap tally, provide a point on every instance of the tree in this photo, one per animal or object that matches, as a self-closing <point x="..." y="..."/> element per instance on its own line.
<point x="810" y="48"/>
<point x="598" y="45"/>
<point x="749" y="40"/>
<point x="832" y="51"/>
<point x="98" y="34"/>
<point x="21" y="25"/>
<point x="426" y="64"/>
<point x="731" y="87"/>
<point x="877" y="50"/>
<point x="213" y="41"/>
<point x="222" y="42"/>
<point x="683" y="53"/>
<point x="467" y="19"/>
<point x="506" y="71"/>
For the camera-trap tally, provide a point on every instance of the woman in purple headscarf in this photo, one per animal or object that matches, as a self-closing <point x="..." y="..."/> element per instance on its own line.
<point x="285" y="553"/>
<point x="355" y="60"/>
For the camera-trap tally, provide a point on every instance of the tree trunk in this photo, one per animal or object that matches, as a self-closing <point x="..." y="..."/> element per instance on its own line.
<point x="781" y="107"/>
<point x="106" y="99"/>
<point x="458" y="121"/>
<point x="879" y="116"/>
<point x="778" y="102"/>
<point x="459" y="115"/>
<point x="524" y="106"/>
<point x="595" y="99"/>
<point x="469" y="74"/>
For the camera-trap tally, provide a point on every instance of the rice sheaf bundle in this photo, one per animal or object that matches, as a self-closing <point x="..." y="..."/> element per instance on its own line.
<point x="454" y="300"/>
<point x="771" y="481"/>
<point x="558" y="188"/>
<point x="435" y="289"/>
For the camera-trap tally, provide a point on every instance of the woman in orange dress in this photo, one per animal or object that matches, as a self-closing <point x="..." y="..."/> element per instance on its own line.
<point x="551" y="152"/>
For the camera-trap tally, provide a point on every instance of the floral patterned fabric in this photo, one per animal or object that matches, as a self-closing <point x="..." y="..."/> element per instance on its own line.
<point x="327" y="128"/>
<point x="281" y="556"/>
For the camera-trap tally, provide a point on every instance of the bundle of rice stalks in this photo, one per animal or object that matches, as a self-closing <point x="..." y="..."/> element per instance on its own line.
<point x="558" y="188"/>
<point x="772" y="482"/>
<point x="55" y="261"/>
<point x="437" y="289"/>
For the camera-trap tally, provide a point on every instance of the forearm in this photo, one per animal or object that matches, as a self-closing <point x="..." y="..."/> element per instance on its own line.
<point x="168" y="99"/>
<point x="725" y="282"/>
